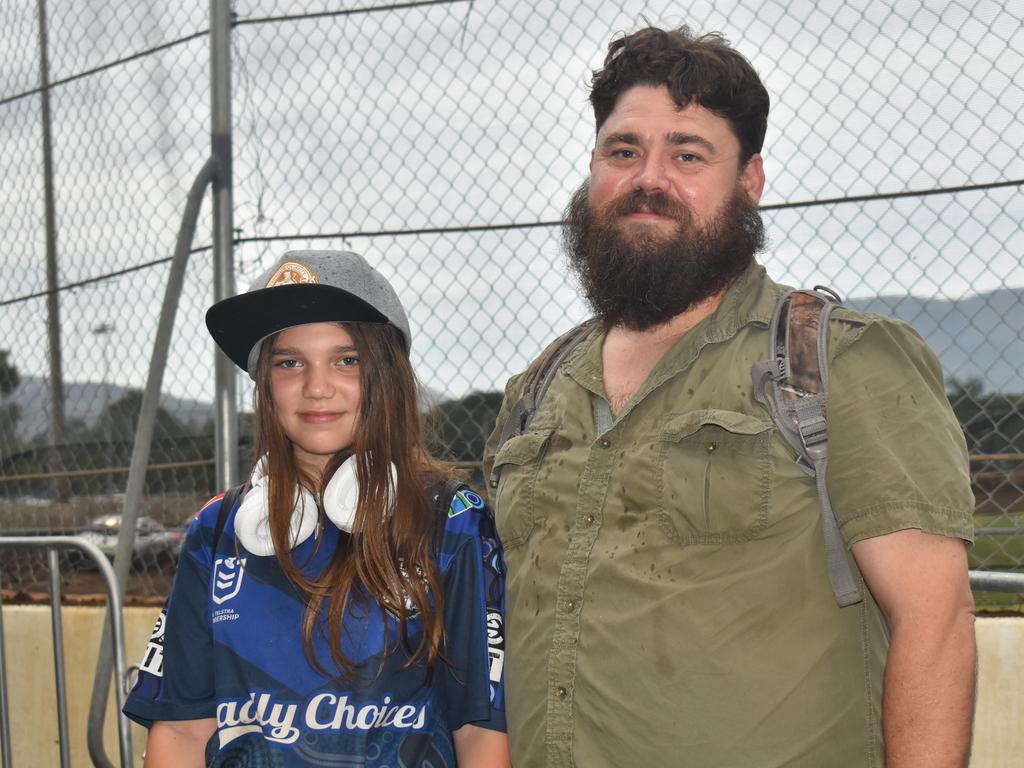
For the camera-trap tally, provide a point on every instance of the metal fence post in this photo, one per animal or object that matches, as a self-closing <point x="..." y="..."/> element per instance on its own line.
<point x="5" y="722"/>
<point x="225" y="408"/>
<point x="60" y="682"/>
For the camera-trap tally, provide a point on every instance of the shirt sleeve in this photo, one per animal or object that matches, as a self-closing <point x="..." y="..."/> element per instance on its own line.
<point x="897" y="455"/>
<point x="473" y="574"/>
<point x="176" y="675"/>
<point x="512" y="392"/>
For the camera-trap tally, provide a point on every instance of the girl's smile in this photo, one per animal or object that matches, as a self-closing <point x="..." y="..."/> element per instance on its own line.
<point x="319" y="417"/>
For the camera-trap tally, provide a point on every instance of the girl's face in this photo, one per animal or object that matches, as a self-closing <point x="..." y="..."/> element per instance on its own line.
<point x="316" y="388"/>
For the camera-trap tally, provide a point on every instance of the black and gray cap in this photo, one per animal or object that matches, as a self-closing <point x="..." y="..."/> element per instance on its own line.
<point x="303" y="287"/>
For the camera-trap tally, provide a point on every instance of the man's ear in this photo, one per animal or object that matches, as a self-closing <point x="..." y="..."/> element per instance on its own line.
<point x="752" y="178"/>
<point x="591" y="166"/>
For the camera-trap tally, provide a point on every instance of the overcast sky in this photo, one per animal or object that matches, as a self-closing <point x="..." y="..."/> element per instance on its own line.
<point x="474" y="114"/>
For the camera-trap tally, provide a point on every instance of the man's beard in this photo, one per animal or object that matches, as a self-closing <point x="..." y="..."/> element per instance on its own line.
<point x="634" y="277"/>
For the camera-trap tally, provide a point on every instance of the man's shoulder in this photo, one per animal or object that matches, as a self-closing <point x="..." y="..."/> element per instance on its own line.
<point x="849" y="328"/>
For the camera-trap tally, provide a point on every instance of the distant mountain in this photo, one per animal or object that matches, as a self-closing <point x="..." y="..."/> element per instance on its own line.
<point x="85" y="401"/>
<point x="978" y="337"/>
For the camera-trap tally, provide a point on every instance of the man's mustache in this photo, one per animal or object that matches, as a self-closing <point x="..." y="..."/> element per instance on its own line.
<point x="640" y="201"/>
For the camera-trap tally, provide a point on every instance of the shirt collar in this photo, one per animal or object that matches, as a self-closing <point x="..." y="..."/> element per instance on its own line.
<point x="749" y="300"/>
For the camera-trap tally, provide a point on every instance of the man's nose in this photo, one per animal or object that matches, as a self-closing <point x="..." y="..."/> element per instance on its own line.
<point x="652" y="174"/>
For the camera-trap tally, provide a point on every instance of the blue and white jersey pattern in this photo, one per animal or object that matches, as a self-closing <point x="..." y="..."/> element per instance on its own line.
<point x="229" y="646"/>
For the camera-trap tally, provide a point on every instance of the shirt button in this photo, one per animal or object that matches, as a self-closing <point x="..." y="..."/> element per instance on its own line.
<point x="711" y="447"/>
<point x="589" y="520"/>
<point x="570" y="606"/>
<point x="605" y="443"/>
<point x="562" y="693"/>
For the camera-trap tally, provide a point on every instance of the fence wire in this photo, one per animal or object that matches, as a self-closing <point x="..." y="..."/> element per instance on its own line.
<point x="442" y="140"/>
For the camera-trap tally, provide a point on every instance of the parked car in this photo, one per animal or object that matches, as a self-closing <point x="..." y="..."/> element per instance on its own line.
<point x="154" y="543"/>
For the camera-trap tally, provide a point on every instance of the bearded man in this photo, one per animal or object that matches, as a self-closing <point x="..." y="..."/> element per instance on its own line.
<point x="668" y="597"/>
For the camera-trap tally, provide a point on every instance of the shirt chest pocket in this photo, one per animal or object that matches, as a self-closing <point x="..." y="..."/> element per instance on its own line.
<point x="716" y="476"/>
<point x="514" y="504"/>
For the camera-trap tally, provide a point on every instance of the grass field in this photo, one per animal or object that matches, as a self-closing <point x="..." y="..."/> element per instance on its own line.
<point x="998" y="546"/>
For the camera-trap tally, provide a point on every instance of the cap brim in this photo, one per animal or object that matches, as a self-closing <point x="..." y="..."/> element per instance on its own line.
<point x="238" y="323"/>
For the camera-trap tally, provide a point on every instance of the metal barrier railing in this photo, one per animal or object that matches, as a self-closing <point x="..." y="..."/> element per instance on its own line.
<point x="996" y="581"/>
<point x="116" y="619"/>
<point x="988" y="581"/>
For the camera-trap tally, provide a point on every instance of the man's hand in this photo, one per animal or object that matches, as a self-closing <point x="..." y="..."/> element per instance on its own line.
<point x="920" y="582"/>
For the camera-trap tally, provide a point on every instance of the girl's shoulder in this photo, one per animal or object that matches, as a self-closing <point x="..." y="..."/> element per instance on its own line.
<point x="212" y="518"/>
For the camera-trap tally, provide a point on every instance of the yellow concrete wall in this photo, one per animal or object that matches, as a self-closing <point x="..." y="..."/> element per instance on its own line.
<point x="30" y="681"/>
<point x="999" y="717"/>
<point x="998" y="731"/>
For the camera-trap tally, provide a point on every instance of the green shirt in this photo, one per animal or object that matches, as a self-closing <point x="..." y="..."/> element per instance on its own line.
<point x="668" y="597"/>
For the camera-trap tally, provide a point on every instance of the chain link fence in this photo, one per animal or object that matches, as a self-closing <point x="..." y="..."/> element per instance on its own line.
<point x="442" y="140"/>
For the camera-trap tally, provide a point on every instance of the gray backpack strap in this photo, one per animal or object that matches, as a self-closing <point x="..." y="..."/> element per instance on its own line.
<point x="442" y="504"/>
<point x="535" y="385"/>
<point x="793" y="385"/>
<point x="226" y="504"/>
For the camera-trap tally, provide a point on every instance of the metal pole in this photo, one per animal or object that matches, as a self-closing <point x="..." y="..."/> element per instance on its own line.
<point x="56" y="429"/>
<point x="56" y="620"/>
<point x="103" y="332"/>
<point x="143" y="443"/>
<point x="225" y="409"/>
<point x="5" y="721"/>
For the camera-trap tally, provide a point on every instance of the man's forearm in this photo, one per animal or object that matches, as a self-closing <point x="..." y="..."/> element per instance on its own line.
<point x="928" y="703"/>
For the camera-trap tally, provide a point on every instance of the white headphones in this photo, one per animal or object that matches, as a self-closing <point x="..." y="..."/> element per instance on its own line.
<point x="252" y="522"/>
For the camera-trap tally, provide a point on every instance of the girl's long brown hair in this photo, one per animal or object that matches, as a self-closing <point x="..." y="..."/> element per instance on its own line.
<point x="387" y="556"/>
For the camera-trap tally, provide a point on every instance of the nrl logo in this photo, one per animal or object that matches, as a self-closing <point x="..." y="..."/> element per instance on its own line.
<point x="227" y="578"/>
<point x="292" y="273"/>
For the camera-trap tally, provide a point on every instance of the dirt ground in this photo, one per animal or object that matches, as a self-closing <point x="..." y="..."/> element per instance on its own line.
<point x="24" y="578"/>
<point x="24" y="571"/>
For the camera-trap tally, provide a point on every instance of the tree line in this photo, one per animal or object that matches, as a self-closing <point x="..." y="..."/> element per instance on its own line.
<point x="993" y="424"/>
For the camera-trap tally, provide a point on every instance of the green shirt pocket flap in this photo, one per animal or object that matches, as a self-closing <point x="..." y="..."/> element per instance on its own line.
<point x="680" y="427"/>
<point x="522" y="449"/>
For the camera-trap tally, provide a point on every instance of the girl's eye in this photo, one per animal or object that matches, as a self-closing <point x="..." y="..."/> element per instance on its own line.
<point x="348" y="361"/>
<point x="287" y="363"/>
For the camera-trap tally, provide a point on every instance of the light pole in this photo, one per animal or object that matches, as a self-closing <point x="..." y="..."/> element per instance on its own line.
<point x="104" y="330"/>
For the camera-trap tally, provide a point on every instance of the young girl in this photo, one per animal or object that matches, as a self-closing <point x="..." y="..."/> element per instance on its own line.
<point x="336" y="614"/>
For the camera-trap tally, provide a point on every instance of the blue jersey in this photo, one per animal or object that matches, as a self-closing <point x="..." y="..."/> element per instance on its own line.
<point x="229" y="646"/>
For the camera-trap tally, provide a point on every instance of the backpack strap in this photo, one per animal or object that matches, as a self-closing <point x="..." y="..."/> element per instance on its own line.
<point x="793" y="385"/>
<point x="226" y="503"/>
<point x="535" y="385"/>
<point x="442" y="503"/>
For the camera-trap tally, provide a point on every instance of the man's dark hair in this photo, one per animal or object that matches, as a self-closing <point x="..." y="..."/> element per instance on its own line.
<point x="702" y="70"/>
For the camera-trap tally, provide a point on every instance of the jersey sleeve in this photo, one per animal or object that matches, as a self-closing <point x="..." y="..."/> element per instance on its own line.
<point x="176" y="675"/>
<point x="897" y="455"/>
<point x="473" y="573"/>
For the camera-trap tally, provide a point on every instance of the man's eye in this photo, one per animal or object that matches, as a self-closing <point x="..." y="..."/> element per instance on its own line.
<point x="625" y="154"/>
<point x="688" y="157"/>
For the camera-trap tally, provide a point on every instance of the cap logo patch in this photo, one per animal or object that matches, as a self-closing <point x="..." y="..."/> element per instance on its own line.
<point x="292" y="273"/>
